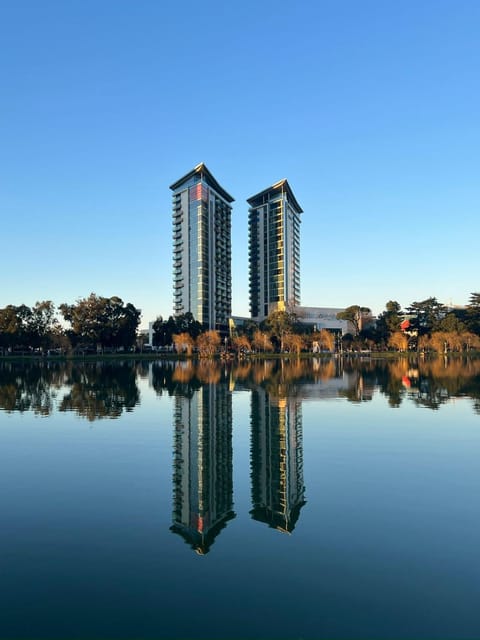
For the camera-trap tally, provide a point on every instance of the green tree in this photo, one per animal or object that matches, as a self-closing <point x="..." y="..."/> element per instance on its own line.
<point x="247" y="329"/>
<point x="163" y="331"/>
<point x="15" y="326"/>
<point x="451" y="324"/>
<point x="354" y="314"/>
<point x="185" y="322"/>
<point x="43" y="326"/>
<point x="472" y="316"/>
<point x="8" y="326"/>
<point x="428" y="315"/>
<point x="279" y="324"/>
<point x="105" y="322"/>
<point x="474" y="301"/>
<point x="389" y="320"/>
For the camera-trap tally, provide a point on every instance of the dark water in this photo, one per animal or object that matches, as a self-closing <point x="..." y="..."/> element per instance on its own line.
<point x="270" y="500"/>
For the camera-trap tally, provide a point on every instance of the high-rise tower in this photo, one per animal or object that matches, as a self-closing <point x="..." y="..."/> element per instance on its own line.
<point x="202" y="248"/>
<point x="274" y="250"/>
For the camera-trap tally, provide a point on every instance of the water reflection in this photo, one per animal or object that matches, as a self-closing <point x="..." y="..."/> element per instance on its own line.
<point x="92" y="390"/>
<point x="381" y="502"/>
<point x="203" y="464"/>
<point x="276" y="459"/>
<point x="429" y="383"/>
<point x="95" y="390"/>
<point x="100" y="390"/>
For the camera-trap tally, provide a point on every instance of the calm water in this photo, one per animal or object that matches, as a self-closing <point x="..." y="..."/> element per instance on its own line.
<point x="270" y="500"/>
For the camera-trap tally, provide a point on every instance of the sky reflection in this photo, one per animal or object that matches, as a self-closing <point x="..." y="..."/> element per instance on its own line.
<point x="269" y="499"/>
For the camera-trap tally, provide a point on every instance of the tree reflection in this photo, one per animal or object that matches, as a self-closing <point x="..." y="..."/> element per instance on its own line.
<point x="427" y="383"/>
<point x="92" y="390"/>
<point x="436" y="382"/>
<point x="101" y="390"/>
<point x="360" y="387"/>
<point x="175" y="378"/>
<point x="30" y="386"/>
<point x="105" y="389"/>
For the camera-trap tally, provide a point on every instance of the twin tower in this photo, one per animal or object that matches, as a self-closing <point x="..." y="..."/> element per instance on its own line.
<point x="202" y="249"/>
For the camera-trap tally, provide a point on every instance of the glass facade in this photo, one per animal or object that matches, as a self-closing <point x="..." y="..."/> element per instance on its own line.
<point x="276" y="460"/>
<point x="202" y="465"/>
<point x="274" y="250"/>
<point x="202" y="282"/>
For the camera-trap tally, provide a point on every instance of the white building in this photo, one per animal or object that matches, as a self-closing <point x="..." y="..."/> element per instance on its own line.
<point x="322" y="318"/>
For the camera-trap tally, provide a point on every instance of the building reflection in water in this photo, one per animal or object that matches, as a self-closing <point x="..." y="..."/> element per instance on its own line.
<point x="276" y="460"/>
<point x="203" y="465"/>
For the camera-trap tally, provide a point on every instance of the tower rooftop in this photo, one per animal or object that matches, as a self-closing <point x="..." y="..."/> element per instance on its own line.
<point x="202" y="170"/>
<point x="280" y="186"/>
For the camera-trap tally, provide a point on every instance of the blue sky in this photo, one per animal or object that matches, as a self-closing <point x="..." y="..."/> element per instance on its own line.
<point x="370" y="110"/>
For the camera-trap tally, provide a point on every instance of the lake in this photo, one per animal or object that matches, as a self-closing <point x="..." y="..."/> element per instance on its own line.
<point x="270" y="499"/>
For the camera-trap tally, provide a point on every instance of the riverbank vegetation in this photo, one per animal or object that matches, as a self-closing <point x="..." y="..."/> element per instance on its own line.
<point x="98" y="325"/>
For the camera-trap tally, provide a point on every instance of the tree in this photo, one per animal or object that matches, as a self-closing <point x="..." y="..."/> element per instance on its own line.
<point x="261" y="341"/>
<point x="322" y="340"/>
<point x="125" y="320"/>
<point x="326" y="340"/>
<point x="443" y="341"/>
<point x="248" y="328"/>
<point x="185" y="322"/>
<point x="163" y="331"/>
<point x="241" y="344"/>
<point x="398" y="340"/>
<point x="14" y="326"/>
<point x="280" y="323"/>
<point x="389" y="321"/>
<point x="474" y="301"/>
<point x="43" y="324"/>
<point x="293" y="343"/>
<point x="8" y="326"/>
<point x="354" y="314"/>
<point x="208" y="343"/>
<point x="428" y="314"/>
<point x="183" y="343"/>
<point x="451" y="323"/>
<point x="106" y="322"/>
<point x="470" y="341"/>
<point x="424" y="343"/>
<point x="472" y="317"/>
<point x="440" y="341"/>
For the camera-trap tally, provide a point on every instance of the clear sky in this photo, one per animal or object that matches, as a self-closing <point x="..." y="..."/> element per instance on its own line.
<point x="370" y="109"/>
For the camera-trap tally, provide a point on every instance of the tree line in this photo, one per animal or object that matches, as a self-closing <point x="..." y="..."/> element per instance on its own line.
<point x="91" y="323"/>
<point x="426" y="325"/>
<point x="98" y="323"/>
